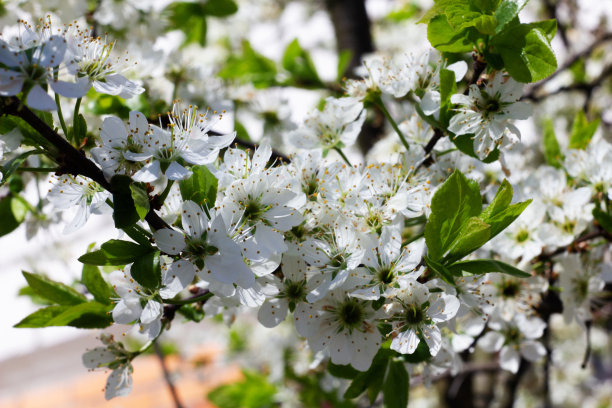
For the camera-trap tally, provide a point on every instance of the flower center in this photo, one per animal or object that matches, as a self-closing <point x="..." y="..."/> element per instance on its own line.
<point x="414" y="315"/>
<point x="350" y="313"/>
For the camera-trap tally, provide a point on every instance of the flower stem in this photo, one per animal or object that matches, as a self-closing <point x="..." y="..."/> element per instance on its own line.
<point x="346" y="160"/>
<point x="75" y="120"/>
<point x="384" y="110"/>
<point x="187" y="301"/>
<point x="164" y="194"/>
<point x="61" y="116"/>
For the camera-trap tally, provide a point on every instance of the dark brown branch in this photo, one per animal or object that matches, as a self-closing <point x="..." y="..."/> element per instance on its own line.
<point x="171" y="309"/>
<point x="70" y="160"/>
<point x="598" y="233"/>
<point x="162" y="361"/>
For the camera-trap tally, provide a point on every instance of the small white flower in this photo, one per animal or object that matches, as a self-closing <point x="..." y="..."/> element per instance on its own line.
<point x="486" y="113"/>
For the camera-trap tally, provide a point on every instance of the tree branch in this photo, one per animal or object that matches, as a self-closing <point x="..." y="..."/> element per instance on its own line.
<point x="70" y="160"/>
<point x="167" y="377"/>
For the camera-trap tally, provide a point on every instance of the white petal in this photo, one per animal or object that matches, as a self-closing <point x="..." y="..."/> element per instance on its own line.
<point x="509" y="359"/>
<point x="177" y="172"/>
<point x="272" y="312"/>
<point x="98" y="357"/>
<point x="152" y="311"/>
<point x="39" y="99"/>
<point x="169" y="241"/>
<point x="52" y="51"/>
<point x="491" y="341"/>
<point x="148" y="173"/>
<point x="76" y="89"/>
<point x="176" y="278"/>
<point x="532" y="350"/>
<point x="127" y="310"/>
<point x="119" y="383"/>
<point x="405" y="342"/>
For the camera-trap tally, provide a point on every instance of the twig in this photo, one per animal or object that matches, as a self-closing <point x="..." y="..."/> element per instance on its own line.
<point x="468" y="369"/>
<point x="587" y="352"/>
<point x="167" y="377"/>
<point x="70" y="159"/>
<point x="171" y="309"/>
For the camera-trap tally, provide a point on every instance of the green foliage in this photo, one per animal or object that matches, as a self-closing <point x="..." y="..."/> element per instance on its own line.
<point x="397" y="385"/>
<point x="526" y="52"/>
<point x="452" y="205"/>
<point x="448" y="86"/>
<point x="78" y="132"/>
<point x="253" y="392"/>
<point x="387" y="374"/>
<point x="481" y="266"/>
<point x="582" y="131"/>
<point x="250" y="67"/>
<point x="96" y="285"/>
<point x="190" y="17"/>
<point x="552" y="150"/>
<point x="344" y="59"/>
<point x="458" y="225"/>
<point x="603" y="219"/>
<point x="146" y="270"/>
<point x="12" y="165"/>
<point x="69" y="307"/>
<point x="125" y="213"/>
<point x="465" y="144"/>
<point x="12" y="213"/>
<point x="115" y="252"/>
<point x="493" y="28"/>
<point x="56" y="292"/>
<point x="298" y="62"/>
<point x="141" y="201"/>
<point x="200" y="187"/>
<point x="195" y="313"/>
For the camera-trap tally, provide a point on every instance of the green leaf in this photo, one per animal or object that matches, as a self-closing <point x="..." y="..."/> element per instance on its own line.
<point x="552" y="151"/>
<point x="12" y="165"/>
<point x="342" y="371"/>
<point x="397" y="385"/>
<point x="251" y="67"/>
<point x="10" y="220"/>
<point x="344" y="58"/>
<point x="96" y="285"/>
<point x="89" y="315"/>
<point x="502" y="219"/>
<point x="40" y="317"/>
<point x="253" y="392"/>
<point x="373" y="378"/>
<point x="220" y="8"/>
<point x="79" y="131"/>
<point x="507" y="11"/>
<point x="146" y="270"/>
<point x="192" y="312"/>
<point x="141" y="201"/>
<point x="603" y="219"/>
<point x="441" y="270"/>
<point x="54" y="291"/>
<point x="526" y="51"/>
<point x="548" y="27"/>
<point x="241" y="131"/>
<point x="115" y="252"/>
<point x="582" y="131"/>
<point x="444" y="38"/>
<point x="190" y="18"/>
<point x="299" y="63"/>
<point x="501" y="201"/>
<point x="124" y="210"/>
<point x="420" y="355"/>
<point x="200" y="187"/>
<point x="481" y="266"/>
<point x="448" y="86"/>
<point x="451" y="206"/>
<point x="473" y="234"/>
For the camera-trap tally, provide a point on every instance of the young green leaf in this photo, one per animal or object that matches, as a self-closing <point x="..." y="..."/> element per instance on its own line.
<point x="552" y="151"/>
<point x="141" y="201"/>
<point x="96" y="285"/>
<point x="445" y="38"/>
<point x="397" y="385"/>
<point x="54" y="291"/>
<point x="40" y="317"/>
<point x="507" y="11"/>
<point x="89" y="315"/>
<point x="200" y="188"/>
<point x="526" y="51"/>
<point x="373" y="378"/>
<point x="473" y="234"/>
<point x="582" y="131"/>
<point x="342" y="371"/>
<point x="220" y="8"/>
<point x="502" y="219"/>
<point x="441" y="270"/>
<point x="481" y="266"/>
<point x="501" y="201"/>
<point x="146" y="270"/>
<point x="124" y="210"/>
<point x="451" y="206"/>
<point x="298" y="62"/>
